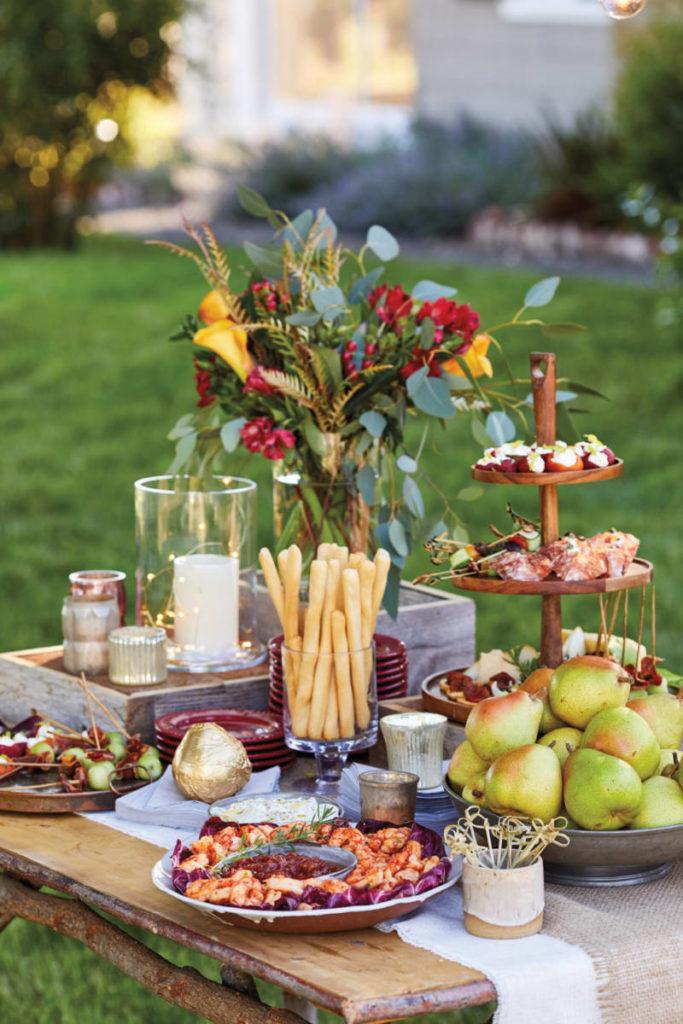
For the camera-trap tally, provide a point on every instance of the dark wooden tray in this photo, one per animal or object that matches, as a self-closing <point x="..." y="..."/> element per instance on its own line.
<point x="47" y="801"/>
<point x="637" y="575"/>
<point x="433" y="699"/>
<point x="577" y="476"/>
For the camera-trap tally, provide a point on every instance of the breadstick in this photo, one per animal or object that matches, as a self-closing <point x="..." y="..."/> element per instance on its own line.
<point x="291" y="670"/>
<point x="324" y="554"/>
<point x="354" y="633"/>
<point x="282" y="564"/>
<point x="342" y="675"/>
<point x="272" y="580"/>
<point x="343" y="556"/>
<point x="367" y="572"/>
<point x="356" y="559"/>
<point x="292" y="585"/>
<point x="309" y="655"/>
<point x="331" y="728"/>
<point x="323" y="668"/>
<point x="382" y="566"/>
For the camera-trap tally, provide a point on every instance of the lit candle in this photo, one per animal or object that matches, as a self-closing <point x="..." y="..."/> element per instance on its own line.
<point x="206" y="597"/>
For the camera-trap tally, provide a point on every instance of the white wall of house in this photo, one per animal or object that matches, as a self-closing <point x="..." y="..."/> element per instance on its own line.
<point x="512" y="62"/>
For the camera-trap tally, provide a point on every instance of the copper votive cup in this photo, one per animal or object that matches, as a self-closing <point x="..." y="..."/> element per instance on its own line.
<point x="388" y="796"/>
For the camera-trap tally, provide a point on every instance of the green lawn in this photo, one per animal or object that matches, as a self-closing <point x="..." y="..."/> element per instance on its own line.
<point x="90" y="387"/>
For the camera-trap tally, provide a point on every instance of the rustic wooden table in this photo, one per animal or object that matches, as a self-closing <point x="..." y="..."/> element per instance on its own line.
<point x="363" y="976"/>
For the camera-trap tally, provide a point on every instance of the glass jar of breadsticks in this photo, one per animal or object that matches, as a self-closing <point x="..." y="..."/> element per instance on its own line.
<point x="328" y="656"/>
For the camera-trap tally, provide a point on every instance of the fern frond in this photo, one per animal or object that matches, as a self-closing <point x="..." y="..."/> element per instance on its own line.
<point x="289" y="384"/>
<point x="180" y="250"/>
<point x="219" y="259"/>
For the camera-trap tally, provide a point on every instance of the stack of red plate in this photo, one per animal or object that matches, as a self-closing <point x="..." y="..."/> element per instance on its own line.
<point x="391" y="666"/>
<point x="260" y="731"/>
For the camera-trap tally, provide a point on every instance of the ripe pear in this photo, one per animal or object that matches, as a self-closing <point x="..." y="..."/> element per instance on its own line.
<point x="669" y="761"/>
<point x="499" y="724"/>
<point x="562" y="742"/>
<point x="474" y="790"/>
<point x="622" y="733"/>
<point x="464" y="764"/>
<point x="600" y="791"/>
<point x="585" y="685"/>
<point x="526" y="781"/>
<point x="664" y="714"/>
<point x="662" y="804"/>
<point x="537" y="684"/>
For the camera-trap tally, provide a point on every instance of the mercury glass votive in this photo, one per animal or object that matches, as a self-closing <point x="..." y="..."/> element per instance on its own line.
<point x="95" y="582"/>
<point x="86" y="625"/>
<point x="137" y="655"/>
<point x="414" y="742"/>
<point x="388" y="796"/>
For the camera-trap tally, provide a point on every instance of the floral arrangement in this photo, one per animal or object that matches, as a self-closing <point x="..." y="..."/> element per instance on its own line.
<point x="319" y="364"/>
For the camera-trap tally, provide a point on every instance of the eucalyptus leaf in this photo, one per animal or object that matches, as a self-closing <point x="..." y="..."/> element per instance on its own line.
<point x="406" y="464"/>
<point x="373" y="422"/>
<point x="560" y="396"/>
<point x="268" y="261"/>
<point x="427" y="331"/>
<point x="304" y="318"/>
<point x="253" y="202"/>
<point x="430" y="291"/>
<point x="561" y="329"/>
<point x="314" y="437"/>
<point x="397" y="536"/>
<point x="541" y="293"/>
<point x="470" y="493"/>
<point x="392" y="592"/>
<point x="430" y="394"/>
<point x="382" y="243"/>
<point x="326" y="231"/>
<point x="329" y="301"/>
<point x="366" y="481"/>
<point x="583" y="389"/>
<point x="438" y="528"/>
<point x="413" y="497"/>
<point x="500" y="427"/>
<point x="184" y="451"/>
<point x="185" y="425"/>
<point x="362" y="287"/>
<point x="230" y="433"/>
<point x="296" y="233"/>
<point x="480" y="433"/>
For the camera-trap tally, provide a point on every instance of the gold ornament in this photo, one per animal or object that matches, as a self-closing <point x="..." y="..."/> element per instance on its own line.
<point x="210" y="764"/>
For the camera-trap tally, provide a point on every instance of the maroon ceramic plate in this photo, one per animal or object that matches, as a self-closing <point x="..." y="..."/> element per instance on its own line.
<point x="243" y="724"/>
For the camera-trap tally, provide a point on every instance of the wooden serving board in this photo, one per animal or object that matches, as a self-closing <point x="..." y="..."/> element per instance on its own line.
<point x="577" y="476"/>
<point x="37" y="679"/>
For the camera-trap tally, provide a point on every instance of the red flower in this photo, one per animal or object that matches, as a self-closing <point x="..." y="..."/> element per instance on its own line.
<point x="397" y="304"/>
<point x="422" y="357"/>
<point x="202" y="382"/>
<point x="269" y="297"/>
<point x="255" y="382"/>
<point x="450" y="318"/>
<point x="260" y="435"/>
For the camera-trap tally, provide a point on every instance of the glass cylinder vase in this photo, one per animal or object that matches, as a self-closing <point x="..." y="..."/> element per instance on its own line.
<point x="196" y="569"/>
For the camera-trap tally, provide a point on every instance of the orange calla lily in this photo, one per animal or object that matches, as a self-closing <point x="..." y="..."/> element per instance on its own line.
<point x="475" y="359"/>
<point x="230" y="343"/>
<point x="213" y="307"/>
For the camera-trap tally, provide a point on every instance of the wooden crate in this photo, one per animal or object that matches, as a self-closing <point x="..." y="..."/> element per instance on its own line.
<point x="37" y="679"/>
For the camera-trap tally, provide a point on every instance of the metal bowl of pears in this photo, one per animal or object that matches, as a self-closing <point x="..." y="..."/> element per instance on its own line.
<point x="623" y="857"/>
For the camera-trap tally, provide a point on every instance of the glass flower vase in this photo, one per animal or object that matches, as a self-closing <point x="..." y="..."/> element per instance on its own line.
<point x="196" y="569"/>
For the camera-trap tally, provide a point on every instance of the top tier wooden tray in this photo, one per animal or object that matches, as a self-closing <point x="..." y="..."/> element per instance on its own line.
<point x="638" y="574"/>
<point x="581" y="476"/>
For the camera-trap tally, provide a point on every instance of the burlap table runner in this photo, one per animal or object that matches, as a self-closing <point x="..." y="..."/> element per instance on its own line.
<point x="634" y="935"/>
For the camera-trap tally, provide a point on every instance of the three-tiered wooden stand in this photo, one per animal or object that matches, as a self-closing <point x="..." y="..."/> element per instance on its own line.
<point x="551" y="591"/>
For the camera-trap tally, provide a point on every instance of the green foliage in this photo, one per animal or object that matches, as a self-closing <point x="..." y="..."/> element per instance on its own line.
<point x="649" y="102"/>
<point x="65" y="65"/>
<point x="581" y="173"/>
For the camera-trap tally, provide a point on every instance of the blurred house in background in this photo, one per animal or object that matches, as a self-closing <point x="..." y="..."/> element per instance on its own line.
<point x="258" y="69"/>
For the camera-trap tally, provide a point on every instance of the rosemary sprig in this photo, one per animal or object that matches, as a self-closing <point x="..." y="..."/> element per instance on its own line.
<point x="281" y="841"/>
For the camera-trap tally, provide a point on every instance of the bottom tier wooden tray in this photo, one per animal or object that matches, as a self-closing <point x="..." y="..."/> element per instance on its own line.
<point x="638" y="574"/>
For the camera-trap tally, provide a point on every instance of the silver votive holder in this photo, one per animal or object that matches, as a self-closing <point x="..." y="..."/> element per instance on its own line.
<point x="414" y="742"/>
<point x="137" y="655"/>
<point x="86" y="625"/>
<point x="388" y="796"/>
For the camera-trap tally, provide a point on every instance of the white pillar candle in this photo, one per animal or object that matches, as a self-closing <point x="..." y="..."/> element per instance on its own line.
<point x="206" y="597"/>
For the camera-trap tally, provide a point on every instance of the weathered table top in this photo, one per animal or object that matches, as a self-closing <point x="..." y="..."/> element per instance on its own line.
<point x="363" y="975"/>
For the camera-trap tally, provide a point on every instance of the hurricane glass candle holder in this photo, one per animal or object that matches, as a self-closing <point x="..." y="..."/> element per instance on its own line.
<point x="196" y="569"/>
<point x="414" y="742"/>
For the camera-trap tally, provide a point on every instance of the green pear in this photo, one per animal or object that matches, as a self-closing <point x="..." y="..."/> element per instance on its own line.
<point x="585" y="685"/>
<point x="562" y="742"/>
<point x="537" y="685"/>
<point x="600" y="791"/>
<point x="464" y="764"/>
<point x="662" y="804"/>
<point x="664" y="714"/>
<point x="623" y="733"/>
<point x="474" y="790"/>
<point x="526" y="781"/>
<point x="499" y="724"/>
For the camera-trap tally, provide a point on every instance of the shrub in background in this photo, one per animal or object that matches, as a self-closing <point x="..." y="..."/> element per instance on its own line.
<point x="649" y="102"/>
<point x="67" y="66"/>
<point x="430" y="183"/>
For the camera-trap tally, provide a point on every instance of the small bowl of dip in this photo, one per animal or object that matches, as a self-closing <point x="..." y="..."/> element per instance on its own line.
<point x="276" y="809"/>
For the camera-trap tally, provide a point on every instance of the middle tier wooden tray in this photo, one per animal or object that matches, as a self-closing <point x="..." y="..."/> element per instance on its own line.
<point x="577" y="476"/>
<point x="637" y="575"/>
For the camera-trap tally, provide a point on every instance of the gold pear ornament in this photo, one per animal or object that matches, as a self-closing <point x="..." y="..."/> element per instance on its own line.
<point x="210" y="764"/>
